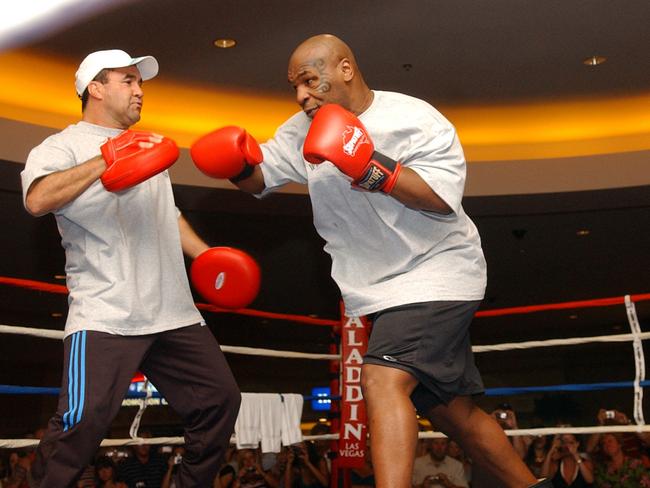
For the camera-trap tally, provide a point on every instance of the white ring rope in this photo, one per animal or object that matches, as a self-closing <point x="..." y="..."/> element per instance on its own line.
<point x="569" y="341"/>
<point x="44" y="333"/>
<point x="253" y="351"/>
<point x="20" y="443"/>
<point x="559" y="430"/>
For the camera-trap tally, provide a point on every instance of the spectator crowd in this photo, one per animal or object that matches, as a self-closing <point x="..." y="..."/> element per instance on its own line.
<point x="609" y="460"/>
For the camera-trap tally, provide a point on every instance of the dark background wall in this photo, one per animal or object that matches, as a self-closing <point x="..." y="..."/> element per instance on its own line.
<point x="535" y="254"/>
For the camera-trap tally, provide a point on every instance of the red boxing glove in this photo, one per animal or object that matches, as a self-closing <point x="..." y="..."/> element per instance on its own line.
<point x="229" y="152"/>
<point x="128" y="164"/>
<point x="226" y="277"/>
<point x="338" y="136"/>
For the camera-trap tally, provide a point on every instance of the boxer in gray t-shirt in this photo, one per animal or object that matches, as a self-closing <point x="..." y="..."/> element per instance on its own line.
<point x="386" y="174"/>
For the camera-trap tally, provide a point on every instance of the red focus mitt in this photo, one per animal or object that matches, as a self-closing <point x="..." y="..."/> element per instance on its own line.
<point x="226" y="277"/>
<point x="128" y="163"/>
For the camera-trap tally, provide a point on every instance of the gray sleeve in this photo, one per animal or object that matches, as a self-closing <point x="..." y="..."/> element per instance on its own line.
<point x="437" y="157"/>
<point x="283" y="161"/>
<point x="48" y="157"/>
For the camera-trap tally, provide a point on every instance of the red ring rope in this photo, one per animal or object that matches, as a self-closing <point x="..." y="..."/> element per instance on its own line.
<point x="598" y="302"/>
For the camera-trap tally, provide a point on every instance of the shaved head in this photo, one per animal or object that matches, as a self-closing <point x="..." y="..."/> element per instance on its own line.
<point x="323" y="69"/>
<point x="326" y="47"/>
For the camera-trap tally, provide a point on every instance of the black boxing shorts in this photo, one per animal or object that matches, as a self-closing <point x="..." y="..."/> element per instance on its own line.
<point x="431" y="341"/>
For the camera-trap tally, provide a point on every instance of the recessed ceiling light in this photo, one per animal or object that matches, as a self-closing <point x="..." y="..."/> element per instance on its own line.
<point x="225" y="43"/>
<point x="594" y="60"/>
<point x="583" y="232"/>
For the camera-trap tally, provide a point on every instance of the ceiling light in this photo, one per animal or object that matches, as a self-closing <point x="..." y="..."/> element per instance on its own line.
<point x="594" y="60"/>
<point x="583" y="232"/>
<point x="225" y="43"/>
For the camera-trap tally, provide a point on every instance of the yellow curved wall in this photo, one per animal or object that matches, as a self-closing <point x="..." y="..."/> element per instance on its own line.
<point x="39" y="90"/>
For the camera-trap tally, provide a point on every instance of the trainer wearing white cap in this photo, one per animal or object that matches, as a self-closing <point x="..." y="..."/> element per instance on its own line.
<point x="95" y="62"/>
<point x="130" y="303"/>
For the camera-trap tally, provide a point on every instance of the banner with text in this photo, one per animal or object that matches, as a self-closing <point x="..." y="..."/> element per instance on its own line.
<point x="353" y="432"/>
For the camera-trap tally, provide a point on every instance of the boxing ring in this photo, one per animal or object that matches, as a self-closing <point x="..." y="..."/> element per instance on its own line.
<point x="335" y="360"/>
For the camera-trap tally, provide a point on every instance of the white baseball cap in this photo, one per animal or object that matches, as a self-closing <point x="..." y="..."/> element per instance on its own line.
<point x="112" y="58"/>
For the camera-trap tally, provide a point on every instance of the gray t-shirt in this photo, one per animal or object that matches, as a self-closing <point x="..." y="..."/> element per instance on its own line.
<point x="385" y="254"/>
<point x="124" y="262"/>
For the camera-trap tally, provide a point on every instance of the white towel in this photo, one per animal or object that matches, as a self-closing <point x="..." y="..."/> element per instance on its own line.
<point x="248" y="430"/>
<point x="270" y="418"/>
<point x="271" y="421"/>
<point x="291" y="415"/>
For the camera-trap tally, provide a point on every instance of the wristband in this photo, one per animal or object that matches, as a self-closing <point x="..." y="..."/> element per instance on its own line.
<point x="245" y="173"/>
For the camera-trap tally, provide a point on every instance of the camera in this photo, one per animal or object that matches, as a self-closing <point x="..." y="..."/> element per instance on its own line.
<point x="610" y="414"/>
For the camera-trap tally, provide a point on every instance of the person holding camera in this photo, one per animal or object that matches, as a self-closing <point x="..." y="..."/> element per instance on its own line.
<point x="251" y="473"/>
<point x="227" y="478"/>
<point x="437" y="469"/>
<point x="566" y="466"/>
<point x="633" y="444"/>
<point x="505" y="416"/>
<point x="305" y="467"/>
<point x="173" y="462"/>
<point x="536" y="454"/>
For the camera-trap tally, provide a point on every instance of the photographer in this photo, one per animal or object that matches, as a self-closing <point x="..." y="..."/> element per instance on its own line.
<point x="566" y="466"/>
<point x="436" y="469"/>
<point x="305" y="467"/>
<point x="506" y="418"/>
<point x="173" y="462"/>
<point x="633" y="444"/>
<point x="251" y="474"/>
